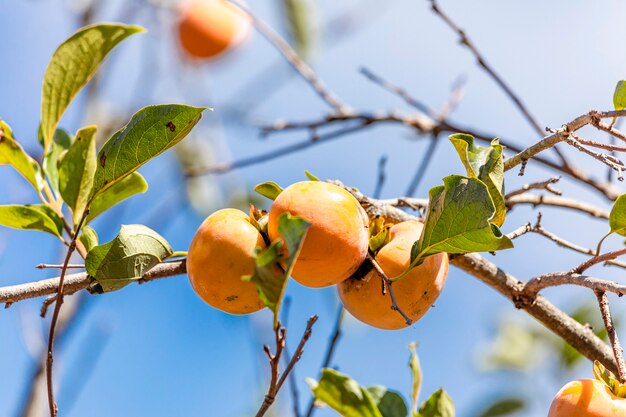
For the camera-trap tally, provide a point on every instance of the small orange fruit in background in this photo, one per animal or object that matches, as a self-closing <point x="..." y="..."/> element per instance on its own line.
<point x="207" y="28"/>
<point x="221" y="253"/>
<point x="337" y="241"/>
<point x="587" y="398"/>
<point x="415" y="293"/>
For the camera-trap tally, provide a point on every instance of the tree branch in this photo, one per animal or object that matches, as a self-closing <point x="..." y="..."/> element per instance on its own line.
<point x="574" y="333"/>
<point x="603" y="300"/>
<point x="277" y="379"/>
<point x="296" y="62"/>
<point x="77" y="282"/>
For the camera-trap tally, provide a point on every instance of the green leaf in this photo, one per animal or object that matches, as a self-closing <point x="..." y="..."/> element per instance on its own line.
<point x="344" y="395"/>
<point x="76" y="171"/>
<point x="269" y="277"/>
<point x="61" y="143"/>
<point x="416" y="375"/>
<point x="487" y="165"/>
<point x="11" y="153"/>
<point x="72" y="65"/>
<point x="299" y="15"/>
<point x="458" y="220"/>
<point x="389" y="403"/>
<point x="438" y="405"/>
<point x="134" y="251"/>
<point x="617" y="218"/>
<point x="504" y="406"/>
<point x="128" y="187"/>
<point x="32" y="217"/>
<point x="269" y="189"/>
<point x="311" y="176"/>
<point x="151" y="131"/>
<point x="619" y="96"/>
<point x="88" y="237"/>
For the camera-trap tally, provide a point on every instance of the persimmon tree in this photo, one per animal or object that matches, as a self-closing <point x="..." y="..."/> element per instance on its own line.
<point x="463" y="218"/>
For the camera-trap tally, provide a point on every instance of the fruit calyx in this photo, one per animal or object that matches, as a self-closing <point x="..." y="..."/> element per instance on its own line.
<point x="608" y="378"/>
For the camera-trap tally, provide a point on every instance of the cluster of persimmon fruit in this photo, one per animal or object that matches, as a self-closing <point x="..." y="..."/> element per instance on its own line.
<point x="335" y="248"/>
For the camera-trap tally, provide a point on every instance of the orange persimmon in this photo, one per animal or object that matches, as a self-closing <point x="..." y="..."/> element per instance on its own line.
<point x="337" y="241"/>
<point x="207" y="28"/>
<point x="221" y="253"/>
<point x="415" y="293"/>
<point x="587" y="398"/>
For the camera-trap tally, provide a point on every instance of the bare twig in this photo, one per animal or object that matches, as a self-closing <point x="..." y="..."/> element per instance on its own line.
<point x="296" y="62"/>
<point x="520" y="231"/>
<point x="397" y="90"/>
<point x="458" y="92"/>
<point x="609" y="129"/>
<point x="330" y="350"/>
<point x="544" y="200"/>
<point x="608" y="160"/>
<point x="542" y="185"/>
<point x="425" y="126"/>
<point x="77" y="282"/>
<point x="277" y="380"/>
<point x="553" y="279"/>
<point x="482" y="62"/>
<point x="48" y="266"/>
<point x="293" y="385"/>
<point x="380" y="178"/>
<point x="564" y="243"/>
<point x="55" y="317"/>
<point x="598" y="259"/>
<point x="610" y="328"/>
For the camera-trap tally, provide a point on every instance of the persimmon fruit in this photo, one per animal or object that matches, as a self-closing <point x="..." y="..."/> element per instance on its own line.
<point x="221" y="252"/>
<point x="587" y="398"/>
<point x="336" y="244"/>
<point x="415" y="293"/>
<point x="207" y="28"/>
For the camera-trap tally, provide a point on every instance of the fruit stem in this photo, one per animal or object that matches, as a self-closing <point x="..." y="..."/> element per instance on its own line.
<point x="387" y="282"/>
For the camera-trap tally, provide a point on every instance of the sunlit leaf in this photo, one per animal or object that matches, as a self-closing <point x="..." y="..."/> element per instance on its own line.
<point x="76" y="171"/>
<point x="150" y="132"/>
<point x="617" y="218"/>
<point x="458" y="220"/>
<point x="439" y="404"/>
<point x="33" y="217"/>
<point x="416" y="375"/>
<point x="127" y="187"/>
<point x="72" y="65"/>
<point x="487" y="165"/>
<point x="269" y="277"/>
<point x="389" y="403"/>
<point x="11" y="153"/>
<point x="344" y="395"/>
<point x="311" y="176"/>
<point x="619" y="96"/>
<point x="269" y="189"/>
<point x="134" y="251"/>
<point x="59" y="145"/>
<point x="88" y="237"/>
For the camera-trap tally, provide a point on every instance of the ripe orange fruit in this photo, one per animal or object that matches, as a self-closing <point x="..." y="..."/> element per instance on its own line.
<point x="587" y="398"/>
<point x="337" y="241"/>
<point x="221" y="252"/>
<point x="415" y="293"/>
<point x="207" y="28"/>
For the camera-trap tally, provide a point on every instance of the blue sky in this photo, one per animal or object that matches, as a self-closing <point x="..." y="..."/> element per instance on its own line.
<point x="160" y="350"/>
